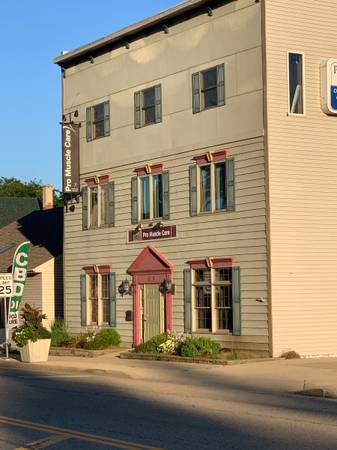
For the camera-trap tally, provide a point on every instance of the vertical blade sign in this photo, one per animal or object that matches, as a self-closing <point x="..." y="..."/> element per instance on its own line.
<point x="70" y="158"/>
<point x="19" y="272"/>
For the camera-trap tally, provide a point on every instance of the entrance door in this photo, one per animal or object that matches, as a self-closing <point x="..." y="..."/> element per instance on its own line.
<point x="153" y="311"/>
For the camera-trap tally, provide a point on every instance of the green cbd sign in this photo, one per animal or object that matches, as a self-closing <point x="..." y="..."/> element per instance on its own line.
<point x="19" y="273"/>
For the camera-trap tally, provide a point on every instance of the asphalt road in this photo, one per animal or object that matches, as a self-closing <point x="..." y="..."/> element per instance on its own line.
<point x="86" y="411"/>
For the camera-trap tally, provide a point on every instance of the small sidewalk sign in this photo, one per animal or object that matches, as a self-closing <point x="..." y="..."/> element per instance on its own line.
<point x="6" y="285"/>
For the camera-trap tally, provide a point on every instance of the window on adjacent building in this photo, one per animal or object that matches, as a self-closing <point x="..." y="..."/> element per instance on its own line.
<point x="98" y="205"/>
<point x="212" y="187"/>
<point x="212" y="299"/>
<point x="150" y="197"/>
<point x="98" y="298"/>
<point x="148" y="106"/>
<point x="98" y="121"/>
<point x="296" y="83"/>
<point x="208" y="88"/>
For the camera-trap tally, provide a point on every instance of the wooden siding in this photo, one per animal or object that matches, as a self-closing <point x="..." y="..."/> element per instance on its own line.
<point x="302" y="174"/>
<point x="240" y="234"/>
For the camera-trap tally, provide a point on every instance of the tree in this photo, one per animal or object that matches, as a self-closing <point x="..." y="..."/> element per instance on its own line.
<point x="12" y="187"/>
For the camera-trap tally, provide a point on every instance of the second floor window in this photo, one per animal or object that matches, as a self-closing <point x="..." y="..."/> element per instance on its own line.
<point x="98" y="121"/>
<point x="212" y="187"/>
<point x="208" y="88"/>
<point x="296" y="83"/>
<point x="98" y="205"/>
<point x="150" y="197"/>
<point x="148" y="106"/>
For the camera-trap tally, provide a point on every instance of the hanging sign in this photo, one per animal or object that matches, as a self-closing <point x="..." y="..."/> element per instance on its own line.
<point x="70" y="158"/>
<point x="6" y="285"/>
<point x="329" y="86"/>
<point x="148" y="234"/>
<point x="19" y="274"/>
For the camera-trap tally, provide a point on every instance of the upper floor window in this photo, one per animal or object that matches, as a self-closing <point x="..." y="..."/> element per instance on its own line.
<point x="98" y="204"/>
<point x="98" y="121"/>
<point x="296" y="83"/>
<point x="208" y="88"/>
<point x="150" y="194"/>
<point x="148" y="106"/>
<point x="212" y="184"/>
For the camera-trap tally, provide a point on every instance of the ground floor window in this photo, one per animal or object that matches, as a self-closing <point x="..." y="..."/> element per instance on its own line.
<point x="212" y="299"/>
<point x="98" y="298"/>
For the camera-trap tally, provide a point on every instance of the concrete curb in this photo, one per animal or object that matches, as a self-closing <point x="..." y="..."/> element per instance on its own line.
<point x="82" y="352"/>
<point x="318" y="392"/>
<point x="181" y="359"/>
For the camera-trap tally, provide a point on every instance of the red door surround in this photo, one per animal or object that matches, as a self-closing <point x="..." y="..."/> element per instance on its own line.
<point x="150" y="267"/>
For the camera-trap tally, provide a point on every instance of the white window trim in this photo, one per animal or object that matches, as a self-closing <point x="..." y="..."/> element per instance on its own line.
<point x="194" y="318"/>
<point x="289" y="52"/>
<point x="100" y="322"/>
<point x="99" y="207"/>
<point x="140" y="197"/>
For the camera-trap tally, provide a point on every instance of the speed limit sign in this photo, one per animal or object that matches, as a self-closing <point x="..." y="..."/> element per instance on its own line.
<point x="6" y="285"/>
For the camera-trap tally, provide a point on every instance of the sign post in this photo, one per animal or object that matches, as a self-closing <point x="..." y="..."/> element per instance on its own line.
<point x="6" y="291"/>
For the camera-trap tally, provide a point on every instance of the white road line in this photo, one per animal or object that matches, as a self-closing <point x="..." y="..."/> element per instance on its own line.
<point x="45" y="442"/>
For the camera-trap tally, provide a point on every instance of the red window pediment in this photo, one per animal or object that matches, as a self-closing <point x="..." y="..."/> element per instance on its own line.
<point x="150" y="260"/>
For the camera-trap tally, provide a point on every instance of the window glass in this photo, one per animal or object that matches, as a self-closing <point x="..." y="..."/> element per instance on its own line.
<point x="220" y="186"/>
<point x="93" y="297"/>
<point x="98" y="121"/>
<point x="202" y="276"/>
<point x="145" y="197"/>
<point x="104" y="198"/>
<point x="106" y="297"/>
<point x="295" y="83"/>
<point x="209" y="79"/>
<point x="203" y="305"/>
<point x="205" y="189"/>
<point x="224" y="275"/>
<point x="149" y="112"/>
<point x="93" y="207"/>
<point x="157" y="196"/>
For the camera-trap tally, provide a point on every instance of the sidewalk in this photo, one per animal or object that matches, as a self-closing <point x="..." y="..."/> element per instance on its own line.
<point x="275" y="375"/>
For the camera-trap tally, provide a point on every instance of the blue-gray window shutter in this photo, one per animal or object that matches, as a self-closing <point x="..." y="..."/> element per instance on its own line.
<point x="106" y="118"/>
<point x="187" y="301"/>
<point x="196" y="92"/>
<point x="89" y="124"/>
<point x="236" y="299"/>
<point x="166" y="195"/>
<point x="221" y="84"/>
<point x="138" y="111"/>
<point x="193" y="190"/>
<point x="84" y="208"/>
<point x="230" y="184"/>
<point x="134" y="200"/>
<point x="158" y="107"/>
<point x="83" y="294"/>
<point x="111" y="204"/>
<point x="112" y="295"/>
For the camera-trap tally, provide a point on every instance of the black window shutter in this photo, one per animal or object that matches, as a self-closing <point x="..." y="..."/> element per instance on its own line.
<point x="138" y="111"/>
<point x="166" y="195"/>
<point x="134" y="200"/>
<point x="230" y="184"/>
<point x="193" y="190"/>
<point x="221" y="84"/>
<point x="187" y="301"/>
<point x="158" y="107"/>
<point x="112" y="295"/>
<point x="83" y="294"/>
<point x="84" y="208"/>
<point x="106" y="118"/>
<point x="89" y="124"/>
<point x="236" y="299"/>
<point x="110" y="204"/>
<point x="196" y="92"/>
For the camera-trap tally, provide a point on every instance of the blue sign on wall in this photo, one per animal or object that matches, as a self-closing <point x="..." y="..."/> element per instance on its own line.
<point x="334" y="97"/>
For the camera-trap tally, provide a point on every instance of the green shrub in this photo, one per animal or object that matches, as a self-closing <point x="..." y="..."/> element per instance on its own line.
<point x="105" y="338"/>
<point x="199" y="346"/>
<point x="152" y="344"/>
<point x="233" y="356"/>
<point x="59" y="333"/>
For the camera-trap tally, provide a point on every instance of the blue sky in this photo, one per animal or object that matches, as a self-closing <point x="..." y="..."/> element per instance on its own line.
<point x="32" y="33"/>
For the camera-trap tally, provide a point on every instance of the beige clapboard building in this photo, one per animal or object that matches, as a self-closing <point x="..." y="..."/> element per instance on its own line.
<point x="208" y="172"/>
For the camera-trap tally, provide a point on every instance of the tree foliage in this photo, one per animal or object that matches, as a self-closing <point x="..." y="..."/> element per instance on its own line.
<point x="12" y="187"/>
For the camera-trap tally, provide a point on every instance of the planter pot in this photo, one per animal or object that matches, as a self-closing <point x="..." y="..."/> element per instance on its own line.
<point x="35" y="351"/>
